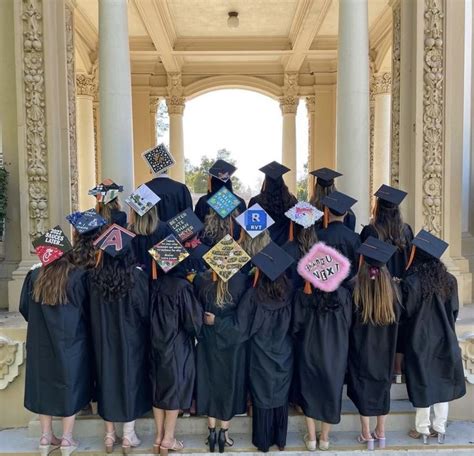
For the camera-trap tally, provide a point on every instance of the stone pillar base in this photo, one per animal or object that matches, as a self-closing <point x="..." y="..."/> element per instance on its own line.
<point x="459" y="267"/>
<point x="16" y="284"/>
<point x="5" y="276"/>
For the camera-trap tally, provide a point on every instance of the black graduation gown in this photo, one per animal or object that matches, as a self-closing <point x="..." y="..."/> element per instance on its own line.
<point x="119" y="217"/>
<point x="433" y="360"/>
<point x="175" y="197"/>
<point x="397" y="264"/>
<point x="176" y="318"/>
<point x="292" y="248"/>
<point x="221" y="389"/>
<point x="58" y="375"/>
<point x="349" y="221"/>
<point x="321" y="327"/>
<point x="338" y="236"/>
<point x="120" y="335"/>
<point x="141" y="244"/>
<point x="194" y="263"/>
<point x="370" y="364"/>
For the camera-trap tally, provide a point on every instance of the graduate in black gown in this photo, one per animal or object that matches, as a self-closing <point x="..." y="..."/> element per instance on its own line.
<point x="221" y="388"/>
<point x="107" y="202"/>
<point x="373" y="338"/>
<point x="54" y="302"/>
<point x="220" y="175"/>
<point x="433" y="360"/>
<point x="119" y="309"/>
<point x="334" y="233"/>
<point x="216" y="227"/>
<point x="323" y="186"/>
<point x="176" y="319"/>
<point x="321" y="328"/>
<point x="275" y="199"/>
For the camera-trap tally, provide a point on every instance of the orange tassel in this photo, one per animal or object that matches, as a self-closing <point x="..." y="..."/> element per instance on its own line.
<point x="307" y="288"/>
<point x="209" y="185"/>
<point x="291" y="235"/>
<point x="255" y="278"/>
<point x="361" y="261"/>
<point x="154" y="271"/>
<point x="98" y="258"/>
<point x="214" y="276"/>
<point x="412" y="257"/>
<point x="326" y="217"/>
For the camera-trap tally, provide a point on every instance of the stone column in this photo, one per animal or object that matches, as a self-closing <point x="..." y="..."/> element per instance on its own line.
<point x="310" y="110"/>
<point x="395" y="99"/>
<point x="85" y="90"/>
<point x="115" y="94"/>
<point x="289" y="105"/>
<point x="353" y="104"/>
<point x="381" y="88"/>
<point x="175" y="102"/>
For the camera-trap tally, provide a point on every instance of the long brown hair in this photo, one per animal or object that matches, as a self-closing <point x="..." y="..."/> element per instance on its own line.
<point x="144" y="224"/>
<point x="216" y="227"/>
<point x="84" y="253"/>
<point x="253" y="245"/>
<point x="388" y="222"/>
<point x="306" y="238"/>
<point x="105" y="209"/>
<point x="319" y="192"/>
<point x="50" y="286"/>
<point x="272" y="289"/>
<point x="375" y="295"/>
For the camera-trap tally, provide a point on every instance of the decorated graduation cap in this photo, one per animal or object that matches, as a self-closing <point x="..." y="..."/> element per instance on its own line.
<point x="226" y="258"/>
<point x="254" y="220"/>
<point x="185" y="225"/>
<point x="430" y="244"/>
<point x="106" y="191"/>
<point x="158" y="159"/>
<point x="52" y="245"/>
<point x="325" y="176"/>
<point x="274" y="170"/>
<point x="304" y="214"/>
<point x="168" y="253"/>
<point x="338" y="203"/>
<point x="223" y="202"/>
<point x="142" y="199"/>
<point x="324" y="267"/>
<point x="390" y="195"/>
<point x="273" y="261"/>
<point x="376" y="252"/>
<point x="86" y="222"/>
<point x="114" y="240"/>
<point x="222" y="170"/>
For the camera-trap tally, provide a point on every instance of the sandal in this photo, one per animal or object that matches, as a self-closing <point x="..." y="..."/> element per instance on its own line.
<point x="109" y="440"/>
<point x="177" y="446"/>
<point x="129" y="439"/>
<point x="380" y="440"/>
<point x="48" y="442"/>
<point x="310" y="444"/>
<point x="414" y="434"/>
<point x="71" y="446"/>
<point x="156" y="447"/>
<point x="369" y="442"/>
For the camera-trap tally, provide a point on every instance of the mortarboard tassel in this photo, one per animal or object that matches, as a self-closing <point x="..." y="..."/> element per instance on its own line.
<point x="412" y="257"/>
<point x="214" y="276"/>
<point x="255" y="278"/>
<point x="264" y="184"/>
<point x="154" y="271"/>
<point x="307" y="288"/>
<point x="98" y="258"/>
<point x="361" y="261"/>
<point x="291" y="235"/>
<point x="209" y="184"/>
<point x="326" y="217"/>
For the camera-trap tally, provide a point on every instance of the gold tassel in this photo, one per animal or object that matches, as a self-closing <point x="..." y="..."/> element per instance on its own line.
<point x="412" y="257"/>
<point x="326" y="217"/>
<point x="255" y="278"/>
<point x="291" y="235"/>
<point x="307" y="288"/>
<point x="154" y="271"/>
<point x="98" y="258"/>
<point x="214" y="276"/>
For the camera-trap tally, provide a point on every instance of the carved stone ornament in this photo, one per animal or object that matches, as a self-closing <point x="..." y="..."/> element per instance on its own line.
<point x="289" y="101"/>
<point x="371" y="137"/>
<point x="85" y="85"/>
<point x="175" y="101"/>
<point x="382" y="83"/>
<point x="395" y="146"/>
<point x="35" y="117"/>
<point x="433" y="116"/>
<point x="466" y="342"/>
<point x="12" y="355"/>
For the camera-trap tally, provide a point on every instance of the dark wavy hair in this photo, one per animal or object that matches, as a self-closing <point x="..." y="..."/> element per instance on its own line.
<point x="84" y="253"/>
<point x="275" y="197"/>
<point x="326" y="302"/>
<point x="433" y="275"/>
<point x="388" y="222"/>
<point x="305" y="238"/>
<point x="268" y="289"/>
<point x="114" y="275"/>
<point x="319" y="192"/>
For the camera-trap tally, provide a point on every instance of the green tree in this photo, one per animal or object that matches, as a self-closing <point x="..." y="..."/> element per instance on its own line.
<point x="302" y="185"/>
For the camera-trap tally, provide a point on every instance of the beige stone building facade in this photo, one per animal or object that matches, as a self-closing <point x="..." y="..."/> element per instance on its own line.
<point x="386" y="85"/>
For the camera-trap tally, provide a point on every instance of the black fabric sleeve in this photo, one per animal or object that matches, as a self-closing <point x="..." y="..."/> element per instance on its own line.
<point x="25" y="296"/>
<point x="300" y="310"/>
<point x="191" y="312"/>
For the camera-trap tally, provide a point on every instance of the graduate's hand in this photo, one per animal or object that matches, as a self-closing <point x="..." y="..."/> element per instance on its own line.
<point x="209" y="318"/>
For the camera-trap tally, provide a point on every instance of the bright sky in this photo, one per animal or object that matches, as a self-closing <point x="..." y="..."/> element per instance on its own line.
<point x="244" y="122"/>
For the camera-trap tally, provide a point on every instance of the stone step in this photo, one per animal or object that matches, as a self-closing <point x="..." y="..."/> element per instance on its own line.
<point x="401" y="418"/>
<point x="459" y="442"/>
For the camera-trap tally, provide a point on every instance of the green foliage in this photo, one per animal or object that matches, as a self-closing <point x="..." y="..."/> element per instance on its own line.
<point x="302" y="185"/>
<point x="3" y="198"/>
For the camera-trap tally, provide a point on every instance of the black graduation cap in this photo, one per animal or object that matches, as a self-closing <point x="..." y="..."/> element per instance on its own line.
<point x="85" y="222"/>
<point x="338" y="203"/>
<point x="222" y="170"/>
<point x="376" y="252"/>
<point x="185" y="225"/>
<point x="114" y="240"/>
<point x="430" y="244"/>
<point x="390" y="194"/>
<point x="325" y="176"/>
<point x="273" y="261"/>
<point x="52" y="245"/>
<point x="274" y="170"/>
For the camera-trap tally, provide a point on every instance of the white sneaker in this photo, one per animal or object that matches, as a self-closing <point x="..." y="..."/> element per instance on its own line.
<point x="310" y="444"/>
<point x="323" y="445"/>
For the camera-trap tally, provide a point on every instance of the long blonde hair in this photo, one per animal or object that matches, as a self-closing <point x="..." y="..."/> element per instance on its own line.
<point x="375" y="295"/>
<point x="50" y="287"/>
<point x="216" y="227"/>
<point x="144" y="224"/>
<point x="105" y="209"/>
<point x="319" y="192"/>
<point x="253" y="245"/>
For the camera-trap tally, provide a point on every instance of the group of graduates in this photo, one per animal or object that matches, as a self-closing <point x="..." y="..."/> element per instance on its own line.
<point x="227" y="309"/>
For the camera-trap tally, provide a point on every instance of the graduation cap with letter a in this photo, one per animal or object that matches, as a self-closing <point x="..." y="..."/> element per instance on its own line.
<point x="52" y="245"/>
<point x="222" y="170"/>
<point x="430" y="244"/>
<point x="338" y="203"/>
<point x="158" y="159"/>
<point x="390" y="195"/>
<point x="304" y="214"/>
<point x="223" y="202"/>
<point x="325" y="176"/>
<point x="273" y="261"/>
<point x="168" y="253"/>
<point x="376" y="252"/>
<point x="114" y="240"/>
<point x="106" y="191"/>
<point x="142" y="199"/>
<point x="274" y="170"/>
<point x="85" y="222"/>
<point x="226" y="258"/>
<point x="254" y="220"/>
<point x="185" y="225"/>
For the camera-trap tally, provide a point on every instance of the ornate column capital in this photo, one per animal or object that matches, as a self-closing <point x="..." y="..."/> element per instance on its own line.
<point x="382" y="83"/>
<point x="85" y="85"/>
<point x="154" y="101"/>
<point x="175" y="101"/>
<point x="11" y="358"/>
<point x="311" y="104"/>
<point x="289" y="101"/>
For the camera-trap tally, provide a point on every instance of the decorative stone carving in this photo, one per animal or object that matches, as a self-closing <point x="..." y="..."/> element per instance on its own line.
<point x="311" y="104"/>
<point x="466" y="342"/>
<point x="433" y="116"/>
<point x="11" y="358"/>
<point x="289" y="100"/>
<point x="396" y="46"/>
<point x="154" y="102"/>
<point x="382" y="83"/>
<point x="35" y="117"/>
<point x="175" y="101"/>
<point x="372" y="135"/>
<point x="85" y="85"/>
<point x="95" y="114"/>
<point x="71" y="84"/>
